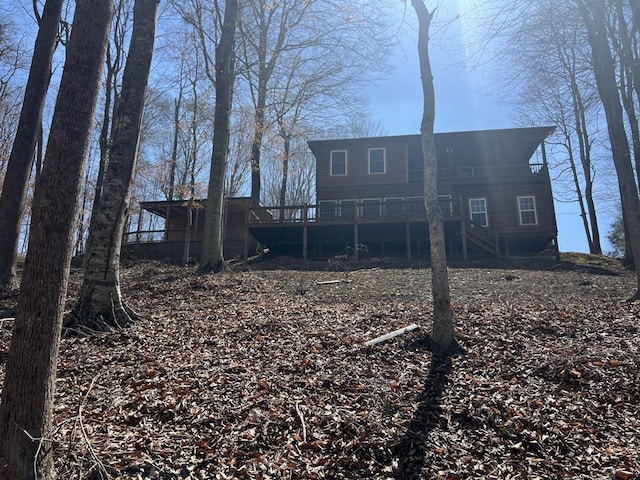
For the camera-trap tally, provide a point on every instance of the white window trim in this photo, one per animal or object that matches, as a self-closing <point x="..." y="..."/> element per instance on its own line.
<point x="346" y="164"/>
<point x="535" y="211"/>
<point x="486" y="213"/>
<point x="384" y="160"/>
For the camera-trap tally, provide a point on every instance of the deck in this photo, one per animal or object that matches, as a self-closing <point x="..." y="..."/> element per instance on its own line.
<point x="380" y="227"/>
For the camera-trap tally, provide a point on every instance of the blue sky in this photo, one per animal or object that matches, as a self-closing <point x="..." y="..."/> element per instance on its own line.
<point x="464" y="101"/>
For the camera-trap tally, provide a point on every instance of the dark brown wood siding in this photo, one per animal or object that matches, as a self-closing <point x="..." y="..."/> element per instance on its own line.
<point x="502" y="205"/>
<point x="359" y="183"/>
<point x="495" y="165"/>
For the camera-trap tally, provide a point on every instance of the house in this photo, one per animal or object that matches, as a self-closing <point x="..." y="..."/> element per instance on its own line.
<point x="493" y="185"/>
<point x="494" y="192"/>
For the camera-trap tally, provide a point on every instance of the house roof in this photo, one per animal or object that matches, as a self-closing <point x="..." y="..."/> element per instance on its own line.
<point x="487" y="146"/>
<point x="178" y="207"/>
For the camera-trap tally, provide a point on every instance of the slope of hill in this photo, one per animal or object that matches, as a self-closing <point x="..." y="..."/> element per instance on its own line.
<point x="263" y="374"/>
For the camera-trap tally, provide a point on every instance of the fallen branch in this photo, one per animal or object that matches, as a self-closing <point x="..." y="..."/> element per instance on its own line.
<point x="395" y="333"/>
<point x="330" y="282"/>
<point x="304" y="427"/>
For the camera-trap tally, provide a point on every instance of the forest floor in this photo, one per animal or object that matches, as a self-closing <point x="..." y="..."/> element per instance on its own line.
<point x="262" y="373"/>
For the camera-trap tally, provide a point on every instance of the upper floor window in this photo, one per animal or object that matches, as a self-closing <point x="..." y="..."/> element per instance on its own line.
<point x="338" y="162"/>
<point x="478" y="211"/>
<point x="376" y="160"/>
<point x="527" y="210"/>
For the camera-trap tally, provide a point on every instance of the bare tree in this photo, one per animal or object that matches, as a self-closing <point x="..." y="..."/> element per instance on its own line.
<point x="26" y="409"/>
<point x="22" y="154"/>
<point x="593" y="14"/>
<point x="625" y="44"/>
<point x="239" y="163"/>
<point x="100" y="306"/>
<point x="624" y="40"/>
<point x="296" y="39"/>
<point x="212" y="259"/>
<point x="190" y="170"/>
<point x="548" y="70"/>
<point x="10" y="93"/>
<point x="442" y="338"/>
<point x="112" y="85"/>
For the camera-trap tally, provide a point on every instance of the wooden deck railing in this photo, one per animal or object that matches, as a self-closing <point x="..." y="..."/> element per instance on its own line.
<point x="493" y="171"/>
<point x="349" y="212"/>
<point x="149" y="236"/>
<point x="482" y="236"/>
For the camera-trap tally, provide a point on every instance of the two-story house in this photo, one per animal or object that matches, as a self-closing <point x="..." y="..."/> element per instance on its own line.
<point x="493" y="185"/>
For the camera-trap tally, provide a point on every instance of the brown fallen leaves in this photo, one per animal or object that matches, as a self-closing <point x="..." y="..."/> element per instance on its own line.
<point x="263" y="375"/>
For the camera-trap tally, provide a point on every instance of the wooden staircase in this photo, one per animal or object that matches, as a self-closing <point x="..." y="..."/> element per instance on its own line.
<point x="482" y="237"/>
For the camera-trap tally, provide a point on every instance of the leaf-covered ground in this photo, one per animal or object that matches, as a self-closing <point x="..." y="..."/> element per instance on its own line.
<point x="262" y="374"/>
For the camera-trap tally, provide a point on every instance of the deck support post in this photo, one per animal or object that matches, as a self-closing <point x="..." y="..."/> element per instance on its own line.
<point x="195" y="224"/>
<point x="305" y="237"/>
<point x="166" y="221"/>
<point x="356" y="241"/>
<point x="408" y="230"/>
<point x="246" y="243"/>
<point x="506" y="246"/>
<point x="497" y="240"/>
<point x="463" y="236"/>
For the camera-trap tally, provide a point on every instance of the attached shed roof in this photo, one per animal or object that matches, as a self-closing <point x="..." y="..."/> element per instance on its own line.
<point x="178" y="207"/>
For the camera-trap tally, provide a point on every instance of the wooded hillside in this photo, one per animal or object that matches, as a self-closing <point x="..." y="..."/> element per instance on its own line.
<point x="262" y="373"/>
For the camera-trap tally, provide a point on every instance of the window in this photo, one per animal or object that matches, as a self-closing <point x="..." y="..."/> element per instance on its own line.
<point x="347" y="208"/>
<point x="527" y="210"/>
<point x="478" y="211"/>
<point x="327" y="210"/>
<point x="371" y="207"/>
<point x="393" y="207"/>
<point x="376" y="160"/>
<point x="446" y="205"/>
<point x="338" y="162"/>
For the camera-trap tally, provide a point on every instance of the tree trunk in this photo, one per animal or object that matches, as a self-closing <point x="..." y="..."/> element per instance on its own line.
<point x="285" y="168"/>
<point x="442" y="338"/>
<point x="585" y="159"/>
<point x="22" y="153"/>
<point x="576" y="182"/>
<point x="256" y="147"/>
<point x="100" y="306"/>
<point x="263" y="76"/>
<point x="212" y="259"/>
<point x="186" y="245"/>
<point x="629" y="75"/>
<point x="593" y="14"/>
<point x="27" y="397"/>
<point x="174" y="160"/>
